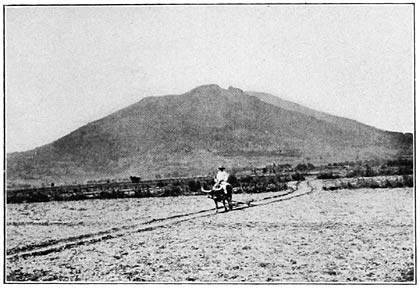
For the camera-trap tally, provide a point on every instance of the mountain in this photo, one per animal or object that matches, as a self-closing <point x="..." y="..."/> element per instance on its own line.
<point x="342" y="123"/>
<point x="193" y="132"/>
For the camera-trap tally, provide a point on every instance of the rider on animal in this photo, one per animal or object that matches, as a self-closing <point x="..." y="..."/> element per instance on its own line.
<point x="216" y="192"/>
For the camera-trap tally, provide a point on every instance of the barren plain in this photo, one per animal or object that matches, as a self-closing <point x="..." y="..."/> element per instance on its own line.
<point x="361" y="235"/>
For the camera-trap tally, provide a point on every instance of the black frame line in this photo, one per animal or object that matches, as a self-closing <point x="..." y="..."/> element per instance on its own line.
<point x="4" y="140"/>
<point x="215" y="4"/>
<point x="414" y="149"/>
<point x="206" y="4"/>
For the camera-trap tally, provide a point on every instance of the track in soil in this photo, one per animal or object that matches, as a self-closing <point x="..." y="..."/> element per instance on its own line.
<point x="302" y="188"/>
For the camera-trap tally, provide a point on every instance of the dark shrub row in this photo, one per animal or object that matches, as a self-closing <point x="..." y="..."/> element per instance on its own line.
<point x="247" y="184"/>
<point x="328" y="175"/>
<point x="376" y="182"/>
<point x="367" y="171"/>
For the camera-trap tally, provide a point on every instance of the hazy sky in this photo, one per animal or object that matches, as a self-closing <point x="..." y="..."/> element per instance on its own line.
<point x="67" y="66"/>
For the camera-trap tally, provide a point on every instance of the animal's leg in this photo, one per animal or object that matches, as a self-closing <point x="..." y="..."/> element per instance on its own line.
<point x="217" y="207"/>
<point x="224" y="205"/>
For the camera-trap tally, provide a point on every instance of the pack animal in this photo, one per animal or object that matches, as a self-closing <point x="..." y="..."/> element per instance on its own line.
<point x="218" y="195"/>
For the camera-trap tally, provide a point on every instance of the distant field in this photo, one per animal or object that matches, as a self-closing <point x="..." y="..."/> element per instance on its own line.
<point x="343" y="235"/>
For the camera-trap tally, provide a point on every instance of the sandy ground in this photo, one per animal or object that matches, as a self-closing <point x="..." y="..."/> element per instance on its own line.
<point x="345" y="235"/>
<point x="34" y="223"/>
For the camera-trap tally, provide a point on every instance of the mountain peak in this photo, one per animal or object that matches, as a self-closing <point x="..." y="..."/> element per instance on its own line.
<point x="215" y="87"/>
<point x="206" y="88"/>
<point x="214" y="91"/>
<point x="235" y="90"/>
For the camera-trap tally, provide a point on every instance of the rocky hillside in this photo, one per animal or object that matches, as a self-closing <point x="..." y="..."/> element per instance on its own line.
<point x="192" y="133"/>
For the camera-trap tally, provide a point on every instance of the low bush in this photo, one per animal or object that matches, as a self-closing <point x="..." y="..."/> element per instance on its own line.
<point x="171" y="190"/>
<point x="327" y="175"/>
<point x="404" y="181"/>
<point x="297" y="177"/>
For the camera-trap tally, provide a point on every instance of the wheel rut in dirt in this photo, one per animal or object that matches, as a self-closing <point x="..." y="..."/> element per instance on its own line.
<point x="301" y="189"/>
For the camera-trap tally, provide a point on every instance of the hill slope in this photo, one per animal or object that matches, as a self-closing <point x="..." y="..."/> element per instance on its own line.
<point x="340" y="122"/>
<point x="194" y="132"/>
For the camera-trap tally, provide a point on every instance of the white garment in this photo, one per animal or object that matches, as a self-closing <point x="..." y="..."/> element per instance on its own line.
<point x="222" y="176"/>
